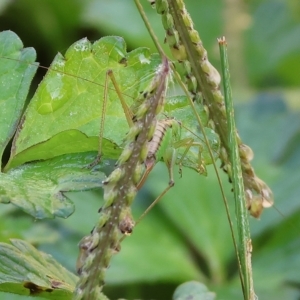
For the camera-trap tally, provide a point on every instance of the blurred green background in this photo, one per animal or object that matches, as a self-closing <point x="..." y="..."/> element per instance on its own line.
<point x="186" y="236"/>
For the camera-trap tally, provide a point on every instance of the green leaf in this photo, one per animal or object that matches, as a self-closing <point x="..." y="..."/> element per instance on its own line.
<point x="26" y="271"/>
<point x="64" y="115"/>
<point x="15" y="79"/>
<point x="38" y="188"/>
<point x="193" y="290"/>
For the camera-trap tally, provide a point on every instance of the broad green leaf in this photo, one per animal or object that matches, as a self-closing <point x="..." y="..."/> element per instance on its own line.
<point x="38" y="188"/>
<point x="61" y="144"/>
<point x="26" y="271"/>
<point x="64" y="115"/>
<point x="16" y="73"/>
<point x="193" y="290"/>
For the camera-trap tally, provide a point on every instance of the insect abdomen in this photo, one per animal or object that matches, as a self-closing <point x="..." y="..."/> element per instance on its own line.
<point x="160" y="140"/>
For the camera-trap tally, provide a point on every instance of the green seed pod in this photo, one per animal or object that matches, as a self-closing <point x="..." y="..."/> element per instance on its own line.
<point x="104" y="217"/>
<point x="110" y="197"/>
<point x="114" y="177"/>
<point x="131" y="193"/>
<point x="138" y="172"/>
<point x="161" y="6"/>
<point x="126" y="154"/>
<point x="167" y="21"/>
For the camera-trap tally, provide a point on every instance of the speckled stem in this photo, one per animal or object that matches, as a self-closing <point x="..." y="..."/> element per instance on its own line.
<point x="203" y="82"/>
<point x="120" y="189"/>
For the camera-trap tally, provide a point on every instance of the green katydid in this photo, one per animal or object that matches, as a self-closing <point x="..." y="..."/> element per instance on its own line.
<point x="167" y="137"/>
<point x="167" y="140"/>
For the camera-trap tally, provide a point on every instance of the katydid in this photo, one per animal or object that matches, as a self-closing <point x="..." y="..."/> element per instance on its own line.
<point x="165" y="145"/>
<point x="166" y="139"/>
